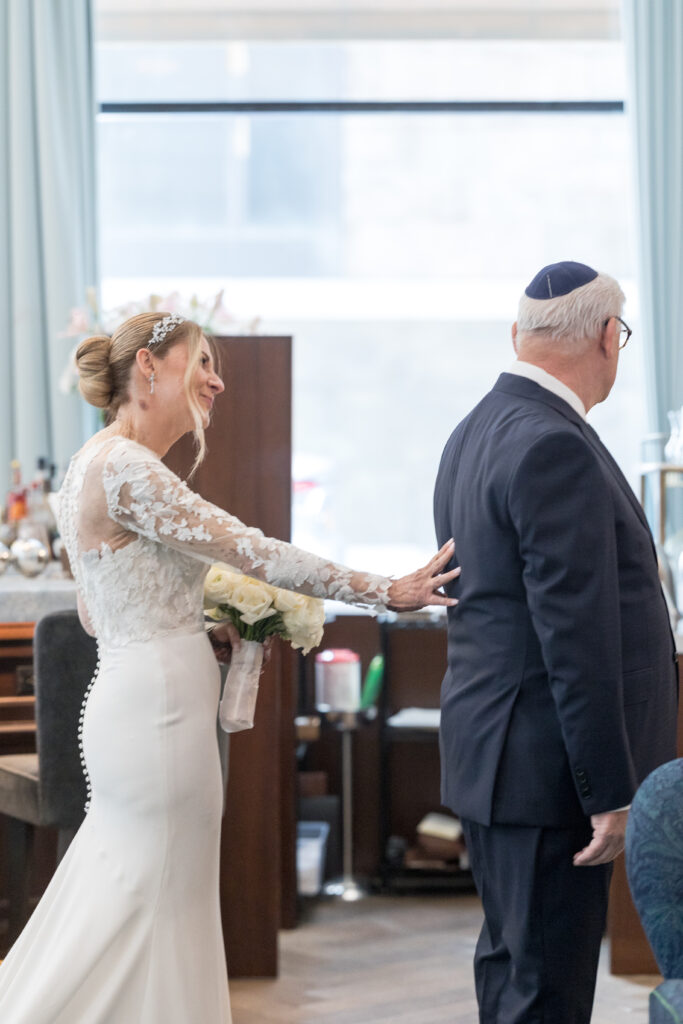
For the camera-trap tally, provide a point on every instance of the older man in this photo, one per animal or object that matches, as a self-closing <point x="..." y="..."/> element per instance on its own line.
<point x="561" y="689"/>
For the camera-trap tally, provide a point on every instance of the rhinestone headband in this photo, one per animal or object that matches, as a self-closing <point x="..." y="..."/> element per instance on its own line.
<point x="164" y="327"/>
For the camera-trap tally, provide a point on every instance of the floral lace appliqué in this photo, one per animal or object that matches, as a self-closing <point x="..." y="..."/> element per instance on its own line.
<point x="140" y="540"/>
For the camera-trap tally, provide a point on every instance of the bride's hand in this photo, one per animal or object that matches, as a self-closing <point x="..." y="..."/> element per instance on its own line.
<point x="225" y="639"/>
<point x="422" y="587"/>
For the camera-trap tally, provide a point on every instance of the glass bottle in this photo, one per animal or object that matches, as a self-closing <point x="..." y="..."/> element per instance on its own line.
<point x="16" y="496"/>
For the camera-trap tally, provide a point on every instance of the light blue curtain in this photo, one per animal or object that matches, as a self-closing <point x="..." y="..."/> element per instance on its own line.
<point x="653" y="33"/>
<point x="47" y="220"/>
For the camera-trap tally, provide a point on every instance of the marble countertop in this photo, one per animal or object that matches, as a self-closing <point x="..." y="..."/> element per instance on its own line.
<point x="26" y="600"/>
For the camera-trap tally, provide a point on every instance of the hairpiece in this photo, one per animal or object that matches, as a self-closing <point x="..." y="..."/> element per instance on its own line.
<point x="164" y="327"/>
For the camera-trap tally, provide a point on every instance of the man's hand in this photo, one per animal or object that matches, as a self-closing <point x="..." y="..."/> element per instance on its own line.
<point x="607" y="843"/>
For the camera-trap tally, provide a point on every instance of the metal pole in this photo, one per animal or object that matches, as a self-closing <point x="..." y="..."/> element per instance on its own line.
<point x="347" y="806"/>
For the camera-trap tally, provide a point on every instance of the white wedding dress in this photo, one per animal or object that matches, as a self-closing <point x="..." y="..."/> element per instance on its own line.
<point x="129" y="930"/>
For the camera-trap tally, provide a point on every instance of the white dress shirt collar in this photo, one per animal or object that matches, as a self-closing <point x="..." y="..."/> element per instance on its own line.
<point x="550" y="383"/>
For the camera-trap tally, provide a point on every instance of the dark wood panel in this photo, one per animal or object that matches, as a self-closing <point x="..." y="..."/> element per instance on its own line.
<point x="16" y="652"/>
<point x="289" y="678"/>
<point x="15" y="709"/>
<point x="630" y="952"/>
<point x="43" y="862"/>
<point x="248" y="472"/>
<point x="251" y="838"/>
<point x="418" y="663"/>
<point x="416" y="785"/>
<point x="248" y="465"/>
<point x="18" y="736"/>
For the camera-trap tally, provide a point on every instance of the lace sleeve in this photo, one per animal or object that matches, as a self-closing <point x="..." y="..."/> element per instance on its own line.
<point x="145" y="497"/>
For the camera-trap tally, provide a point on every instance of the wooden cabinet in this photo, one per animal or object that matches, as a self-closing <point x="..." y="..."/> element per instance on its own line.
<point x="396" y="776"/>
<point x="247" y="471"/>
<point x="414" y="649"/>
<point x="18" y="736"/>
<point x="17" y="720"/>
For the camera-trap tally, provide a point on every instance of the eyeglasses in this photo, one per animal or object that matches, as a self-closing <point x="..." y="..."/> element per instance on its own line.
<point x="623" y="330"/>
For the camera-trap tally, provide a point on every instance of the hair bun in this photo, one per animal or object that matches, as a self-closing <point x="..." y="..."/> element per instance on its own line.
<point x="96" y="382"/>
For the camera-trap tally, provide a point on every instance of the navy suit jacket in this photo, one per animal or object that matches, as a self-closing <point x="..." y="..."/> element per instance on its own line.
<point x="561" y="688"/>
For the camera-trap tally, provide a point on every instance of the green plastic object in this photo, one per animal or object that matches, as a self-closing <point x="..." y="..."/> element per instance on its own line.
<point x="373" y="682"/>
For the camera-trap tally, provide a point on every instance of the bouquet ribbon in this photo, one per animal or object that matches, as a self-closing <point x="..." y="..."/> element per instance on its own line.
<point x="238" y="703"/>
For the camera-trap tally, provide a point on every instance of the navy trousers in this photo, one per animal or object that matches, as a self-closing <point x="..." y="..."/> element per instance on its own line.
<point x="537" y="956"/>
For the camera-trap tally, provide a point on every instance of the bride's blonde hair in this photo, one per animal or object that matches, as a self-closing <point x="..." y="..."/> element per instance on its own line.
<point x="105" y="363"/>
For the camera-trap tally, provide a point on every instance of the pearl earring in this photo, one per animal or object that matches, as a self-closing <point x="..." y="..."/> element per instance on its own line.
<point x="151" y="383"/>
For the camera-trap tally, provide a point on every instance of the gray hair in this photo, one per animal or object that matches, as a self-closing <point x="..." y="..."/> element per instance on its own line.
<point x="580" y="315"/>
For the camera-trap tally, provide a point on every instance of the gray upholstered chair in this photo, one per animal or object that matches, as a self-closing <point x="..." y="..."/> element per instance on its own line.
<point x="654" y="862"/>
<point x="47" y="788"/>
<point x="666" y="1002"/>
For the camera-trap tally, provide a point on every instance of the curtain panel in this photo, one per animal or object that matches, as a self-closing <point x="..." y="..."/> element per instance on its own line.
<point x="47" y="219"/>
<point x="653" y="33"/>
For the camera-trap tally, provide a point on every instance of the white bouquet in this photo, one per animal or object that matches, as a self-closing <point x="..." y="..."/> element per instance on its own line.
<point x="257" y="610"/>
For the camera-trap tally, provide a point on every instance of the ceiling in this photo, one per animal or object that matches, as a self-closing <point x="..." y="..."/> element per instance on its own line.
<point x="354" y="19"/>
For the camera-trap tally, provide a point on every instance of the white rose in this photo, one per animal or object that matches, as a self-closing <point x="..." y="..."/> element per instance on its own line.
<point x="287" y="600"/>
<point x="304" y="623"/>
<point x="219" y="584"/>
<point x="253" y="600"/>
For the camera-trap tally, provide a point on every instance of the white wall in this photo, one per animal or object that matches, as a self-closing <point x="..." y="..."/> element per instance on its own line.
<point x="354" y="19"/>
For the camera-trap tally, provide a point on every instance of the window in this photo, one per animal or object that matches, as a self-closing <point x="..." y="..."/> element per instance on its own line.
<point x="386" y="208"/>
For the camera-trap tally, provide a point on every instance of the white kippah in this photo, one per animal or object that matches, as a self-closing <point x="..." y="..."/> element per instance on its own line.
<point x="164" y="327"/>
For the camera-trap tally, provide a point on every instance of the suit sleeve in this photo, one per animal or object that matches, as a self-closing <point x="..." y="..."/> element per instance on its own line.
<point x="561" y="507"/>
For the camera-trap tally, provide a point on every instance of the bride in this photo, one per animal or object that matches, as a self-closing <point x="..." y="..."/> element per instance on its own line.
<point x="129" y="931"/>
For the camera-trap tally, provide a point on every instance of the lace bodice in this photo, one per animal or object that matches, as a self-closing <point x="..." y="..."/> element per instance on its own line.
<point x="140" y="543"/>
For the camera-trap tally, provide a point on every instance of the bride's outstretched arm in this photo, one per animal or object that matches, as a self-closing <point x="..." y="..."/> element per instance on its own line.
<point x="144" y="496"/>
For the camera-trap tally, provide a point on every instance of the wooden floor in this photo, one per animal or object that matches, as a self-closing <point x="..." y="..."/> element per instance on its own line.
<point x="399" y="958"/>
